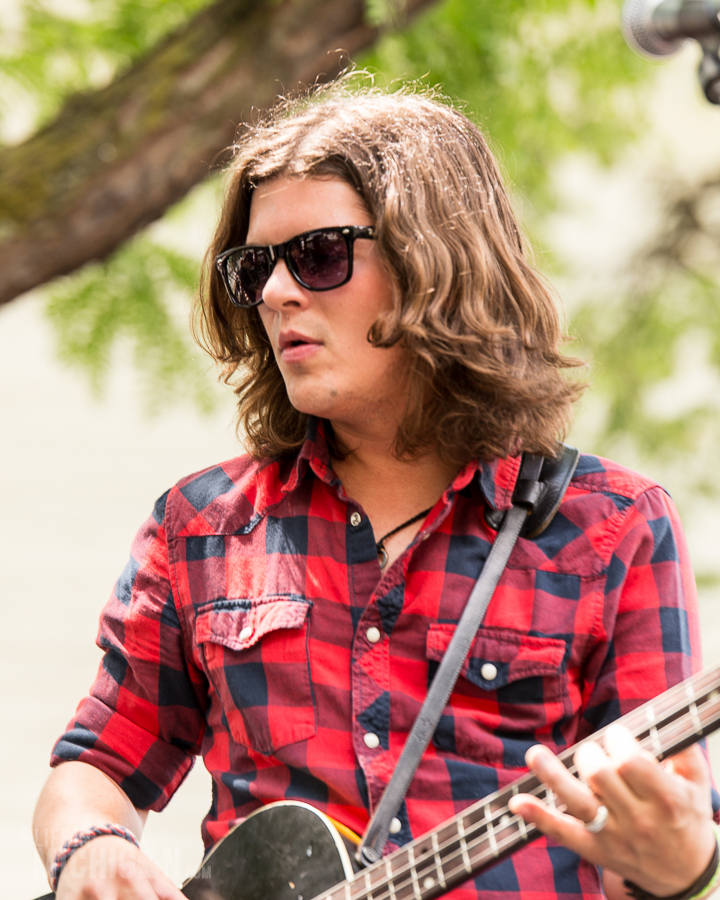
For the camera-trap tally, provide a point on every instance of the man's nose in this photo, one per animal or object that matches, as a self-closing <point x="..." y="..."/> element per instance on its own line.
<point x="282" y="291"/>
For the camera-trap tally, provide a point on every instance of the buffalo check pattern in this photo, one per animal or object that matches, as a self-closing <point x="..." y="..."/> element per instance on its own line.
<point x="245" y="629"/>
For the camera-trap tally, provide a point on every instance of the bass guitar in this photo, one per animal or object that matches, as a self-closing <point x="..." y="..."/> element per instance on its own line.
<point x="291" y="851"/>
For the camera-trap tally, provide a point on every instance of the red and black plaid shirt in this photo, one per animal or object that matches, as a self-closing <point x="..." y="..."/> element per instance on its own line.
<point x="252" y="626"/>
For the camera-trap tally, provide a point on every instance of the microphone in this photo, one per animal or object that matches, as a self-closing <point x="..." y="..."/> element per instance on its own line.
<point x="657" y="28"/>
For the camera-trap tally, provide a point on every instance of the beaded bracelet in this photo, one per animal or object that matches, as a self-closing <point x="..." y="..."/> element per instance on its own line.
<point x="702" y="887"/>
<point x="79" y="840"/>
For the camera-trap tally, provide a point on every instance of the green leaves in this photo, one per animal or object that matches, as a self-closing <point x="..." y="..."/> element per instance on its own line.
<point x="139" y="298"/>
<point x="52" y="56"/>
<point x="383" y="13"/>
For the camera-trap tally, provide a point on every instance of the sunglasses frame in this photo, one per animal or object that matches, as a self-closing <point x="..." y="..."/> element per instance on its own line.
<point x="350" y="233"/>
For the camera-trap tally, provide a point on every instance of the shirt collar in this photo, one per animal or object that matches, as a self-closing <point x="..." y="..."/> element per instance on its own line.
<point x="234" y="497"/>
<point x="495" y="479"/>
<point x="315" y="455"/>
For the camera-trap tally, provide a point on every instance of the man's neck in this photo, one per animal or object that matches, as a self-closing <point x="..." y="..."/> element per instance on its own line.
<point x="390" y="490"/>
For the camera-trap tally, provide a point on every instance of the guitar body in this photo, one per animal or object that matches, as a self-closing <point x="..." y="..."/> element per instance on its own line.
<point x="283" y="851"/>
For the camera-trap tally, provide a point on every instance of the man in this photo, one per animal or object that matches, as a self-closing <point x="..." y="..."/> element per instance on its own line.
<point x="282" y="613"/>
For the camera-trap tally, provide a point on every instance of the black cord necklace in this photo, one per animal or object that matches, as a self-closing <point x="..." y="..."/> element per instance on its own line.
<point x="381" y="551"/>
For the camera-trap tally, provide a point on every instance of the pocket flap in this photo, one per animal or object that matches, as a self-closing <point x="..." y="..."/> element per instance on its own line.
<point x="499" y="656"/>
<point x="240" y="624"/>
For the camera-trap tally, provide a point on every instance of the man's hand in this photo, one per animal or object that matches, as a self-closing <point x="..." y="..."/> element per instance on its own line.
<point x="659" y="829"/>
<point x="111" y="868"/>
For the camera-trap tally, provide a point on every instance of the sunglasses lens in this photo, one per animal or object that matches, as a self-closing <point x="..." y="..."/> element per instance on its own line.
<point x="248" y="271"/>
<point x="319" y="259"/>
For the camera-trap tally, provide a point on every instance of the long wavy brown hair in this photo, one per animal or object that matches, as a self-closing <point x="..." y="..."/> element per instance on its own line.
<point x="479" y="324"/>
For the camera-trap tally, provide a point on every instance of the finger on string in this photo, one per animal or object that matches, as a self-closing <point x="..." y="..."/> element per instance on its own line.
<point x="564" y="828"/>
<point x="572" y="793"/>
<point x="639" y="770"/>
<point x="602" y="777"/>
<point x="622" y="745"/>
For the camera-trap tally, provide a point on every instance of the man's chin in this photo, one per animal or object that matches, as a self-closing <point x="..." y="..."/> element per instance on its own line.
<point x="314" y="406"/>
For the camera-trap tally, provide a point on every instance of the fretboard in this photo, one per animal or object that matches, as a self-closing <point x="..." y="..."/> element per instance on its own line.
<point x="487" y="831"/>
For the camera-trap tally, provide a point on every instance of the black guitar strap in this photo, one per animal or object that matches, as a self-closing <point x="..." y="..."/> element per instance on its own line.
<point x="538" y="492"/>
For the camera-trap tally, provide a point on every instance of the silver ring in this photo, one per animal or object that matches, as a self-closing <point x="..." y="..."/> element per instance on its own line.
<point x="599" y="822"/>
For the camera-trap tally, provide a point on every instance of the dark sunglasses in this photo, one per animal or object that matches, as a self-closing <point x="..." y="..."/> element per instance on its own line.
<point x="318" y="260"/>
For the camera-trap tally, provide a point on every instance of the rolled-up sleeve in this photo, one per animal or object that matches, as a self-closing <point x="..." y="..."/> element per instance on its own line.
<point x="143" y="721"/>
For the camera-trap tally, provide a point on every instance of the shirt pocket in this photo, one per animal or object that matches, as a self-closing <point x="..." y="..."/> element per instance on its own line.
<point x="510" y="694"/>
<point x="256" y="657"/>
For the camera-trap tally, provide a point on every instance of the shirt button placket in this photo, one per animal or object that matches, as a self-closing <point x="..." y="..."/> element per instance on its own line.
<point x="371" y="677"/>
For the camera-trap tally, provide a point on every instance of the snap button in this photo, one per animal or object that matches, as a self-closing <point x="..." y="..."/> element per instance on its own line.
<point x="373" y="635"/>
<point x="395" y="826"/>
<point x="489" y="672"/>
<point x="355" y="519"/>
<point x="372" y="741"/>
<point x="245" y="633"/>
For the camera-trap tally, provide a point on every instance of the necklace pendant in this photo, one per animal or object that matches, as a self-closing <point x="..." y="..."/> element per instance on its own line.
<point x="382" y="557"/>
<point x="381" y="551"/>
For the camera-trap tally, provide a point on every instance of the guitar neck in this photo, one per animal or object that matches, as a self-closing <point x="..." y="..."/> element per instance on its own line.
<point x="487" y="831"/>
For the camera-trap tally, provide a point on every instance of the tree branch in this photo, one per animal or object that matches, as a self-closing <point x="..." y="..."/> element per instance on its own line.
<point x="115" y="160"/>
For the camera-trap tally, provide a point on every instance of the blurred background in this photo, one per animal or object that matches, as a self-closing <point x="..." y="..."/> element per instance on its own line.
<point x="113" y="115"/>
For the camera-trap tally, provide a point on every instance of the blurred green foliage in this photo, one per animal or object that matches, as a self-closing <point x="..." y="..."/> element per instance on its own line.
<point x="140" y="295"/>
<point x="134" y="298"/>
<point x="655" y="341"/>
<point x="635" y="340"/>
<point x="52" y="54"/>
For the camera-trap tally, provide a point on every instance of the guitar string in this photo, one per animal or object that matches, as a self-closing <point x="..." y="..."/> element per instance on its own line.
<point x="426" y="892"/>
<point x="479" y="832"/>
